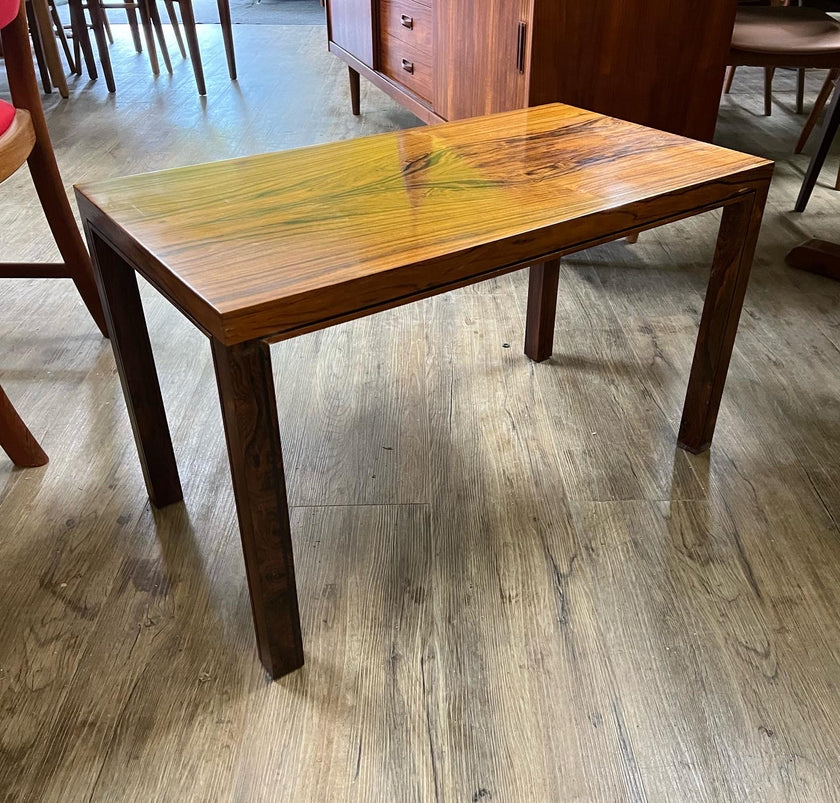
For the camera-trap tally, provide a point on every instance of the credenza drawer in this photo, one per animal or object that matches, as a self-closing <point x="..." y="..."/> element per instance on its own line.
<point x="408" y="21"/>
<point x="407" y="65"/>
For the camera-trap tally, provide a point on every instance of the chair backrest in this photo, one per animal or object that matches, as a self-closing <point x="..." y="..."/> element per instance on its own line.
<point x="8" y="11"/>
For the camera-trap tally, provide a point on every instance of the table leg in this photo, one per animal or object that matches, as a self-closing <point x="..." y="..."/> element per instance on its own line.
<point x="249" y="410"/>
<point x="136" y="366"/>
<point x="542" y="305"/>
<point x="719" y="322"/>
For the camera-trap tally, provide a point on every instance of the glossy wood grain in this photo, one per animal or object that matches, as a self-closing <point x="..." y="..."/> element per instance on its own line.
<point x="280" y="243"/>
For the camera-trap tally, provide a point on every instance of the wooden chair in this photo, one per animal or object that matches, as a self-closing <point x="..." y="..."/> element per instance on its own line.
<point x="191" y="34"/>
<point x="832" y="80"/>
<point x="24" y="138"/>
<point x="783" y="36"/>
<point x="831" y="124"/>
<point x="96" y="10"/>
<point x="46" y="47"/>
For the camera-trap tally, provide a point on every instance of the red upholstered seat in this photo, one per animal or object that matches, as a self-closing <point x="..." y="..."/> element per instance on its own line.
<point x="8" y="11"/>
<point x="7" y="114"/>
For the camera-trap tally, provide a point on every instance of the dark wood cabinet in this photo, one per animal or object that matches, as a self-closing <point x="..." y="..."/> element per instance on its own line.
<point x="655" y="62"/>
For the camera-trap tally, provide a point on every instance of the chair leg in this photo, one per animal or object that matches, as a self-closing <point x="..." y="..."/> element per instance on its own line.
<point x="97" y="14"/>
<point x="77" y="54"/>
<point x="768" y="90"/>
<point x="819" y="104"/>
<point x="106" y="24"/>
<point x="148" y="33"/>
<point x="188" y="18"/>
<point x="154" y="16"/>
<point x="16" y="440"/>
<point x="62" y="38"/>
<point x="800" y="89"/>
<point x="44" y="170"/>
<point x="829" y="131"/>
<point x="131" y="16"/>
<point x="38" y="48"/>
<point x="54" y="66"/>
<point x="730" y="77"/>
<point x="82" y="50"/>
<point x="227" y="35"/>
<point x="81" y="38"/>
<point x="176" y="28"/>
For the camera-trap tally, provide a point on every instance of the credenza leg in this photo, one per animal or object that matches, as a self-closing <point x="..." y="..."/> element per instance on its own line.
<point x="249" y="411"/>
<point x="719" y="322"/>
<point x="355" y="91"/>
<point x="136" y="366"/>
<point x="542" y="305"/>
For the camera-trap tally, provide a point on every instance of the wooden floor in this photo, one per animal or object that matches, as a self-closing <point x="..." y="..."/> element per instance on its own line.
<point x="513" y="586"/>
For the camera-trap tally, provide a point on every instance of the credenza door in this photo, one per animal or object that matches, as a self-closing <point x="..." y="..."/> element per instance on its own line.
<point x="481" y="54"/>
<point x="350" y="25"/>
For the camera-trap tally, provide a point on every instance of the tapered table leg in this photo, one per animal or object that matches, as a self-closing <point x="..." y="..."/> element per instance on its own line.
<point x="249" y="411"/>
<point x="136" y="366"/>
<point x="719" y="322"/>
<point x="542" y="306"/>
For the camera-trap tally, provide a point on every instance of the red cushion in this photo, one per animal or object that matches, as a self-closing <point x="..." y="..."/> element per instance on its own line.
<point x="7" y="114"/>
<point x="8" y="11"/>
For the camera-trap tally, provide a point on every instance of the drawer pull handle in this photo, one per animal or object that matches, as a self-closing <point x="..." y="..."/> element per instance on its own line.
<point x="408" y="66"/>
<point x="407" y="22"/>
<point x="521" y="44"/>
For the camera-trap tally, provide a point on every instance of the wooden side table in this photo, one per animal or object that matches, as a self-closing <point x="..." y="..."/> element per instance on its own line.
<point x="268" y="247"/>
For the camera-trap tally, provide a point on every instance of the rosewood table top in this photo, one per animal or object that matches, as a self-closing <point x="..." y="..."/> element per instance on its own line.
<point x="268" y="247"/>
<point x="323" y="232"/>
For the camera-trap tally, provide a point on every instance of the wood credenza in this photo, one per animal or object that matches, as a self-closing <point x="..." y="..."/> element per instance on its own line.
<point x="655" y="62"/>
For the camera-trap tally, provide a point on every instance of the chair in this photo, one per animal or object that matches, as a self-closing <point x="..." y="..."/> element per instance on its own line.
<point x="831" y="124"/>
<point x="149" y="21"/>
<point x="46" y="48"/>
<point x="832" y="80"/>
<point x="24" y="138"/>
<point x="188" y="21"/>
<point x="783" y="36"/>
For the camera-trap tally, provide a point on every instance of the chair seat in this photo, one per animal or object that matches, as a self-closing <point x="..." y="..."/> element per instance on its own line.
<point x="7" y="114"/>
<point x="16" y="142"/>
<point x="785" y="30"/>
